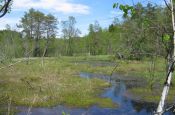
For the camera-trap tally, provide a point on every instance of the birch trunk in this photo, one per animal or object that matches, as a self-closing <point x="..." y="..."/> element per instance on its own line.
<point x="160" y="108"/>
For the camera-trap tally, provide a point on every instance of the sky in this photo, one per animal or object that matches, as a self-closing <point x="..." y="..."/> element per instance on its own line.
<point x="84" y="11"/>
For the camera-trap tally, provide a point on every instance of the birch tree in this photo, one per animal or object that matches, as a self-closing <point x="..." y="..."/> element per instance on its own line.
<point x="70" y="32"/>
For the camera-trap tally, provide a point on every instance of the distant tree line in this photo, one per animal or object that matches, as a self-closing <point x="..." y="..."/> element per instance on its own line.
<point x="143" y="34"/>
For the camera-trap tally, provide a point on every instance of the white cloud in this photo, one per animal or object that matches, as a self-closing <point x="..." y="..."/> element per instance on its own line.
<point x="64" y="6"/>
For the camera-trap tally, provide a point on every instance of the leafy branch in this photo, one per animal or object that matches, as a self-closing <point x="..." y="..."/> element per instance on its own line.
<point x="125" y="8"/>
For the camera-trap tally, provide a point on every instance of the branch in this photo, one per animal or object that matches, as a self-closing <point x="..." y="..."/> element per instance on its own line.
<point x="10" y="65"/>
<point x="167" y="5"/>
<point x="4" y="8"/>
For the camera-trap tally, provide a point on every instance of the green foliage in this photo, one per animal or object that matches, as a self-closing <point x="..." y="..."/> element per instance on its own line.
<point x="125" y="8"/>
<point x="144" y="26"/>
<point x="166" y="38"/>
<point x="36" y="25"/>
<point x="136" y="37"/>
<point x="111" y="28"/>
<point x="70" y="32"/>
<point x="10" y="45"/>
<point x="94" y="38"/>
<point x="63" y="113"/>
<point x="115" y="5"/>
<point x="146" y="22"/>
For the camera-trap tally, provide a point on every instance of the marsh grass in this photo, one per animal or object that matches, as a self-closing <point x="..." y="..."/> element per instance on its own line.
<point x="57" y="82"/>
<point x="155" y="80"/>
<point x="142" y="70"/>
<point x="149" y="95"/>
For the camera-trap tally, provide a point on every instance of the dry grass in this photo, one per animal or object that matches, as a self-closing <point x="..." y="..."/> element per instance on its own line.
<point x="57" y="82"/>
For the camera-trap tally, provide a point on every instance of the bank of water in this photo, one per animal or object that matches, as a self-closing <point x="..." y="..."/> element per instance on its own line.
<point x="117" y="92"/>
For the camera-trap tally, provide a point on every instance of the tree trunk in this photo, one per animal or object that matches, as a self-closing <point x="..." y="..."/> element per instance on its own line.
<point x="45" y="51"/>
<point x="36" y="49"/>
<point x="160" y="108"/>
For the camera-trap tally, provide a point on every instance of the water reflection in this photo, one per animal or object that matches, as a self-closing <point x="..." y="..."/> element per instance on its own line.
<point x="117" y="92"/>
<point x="127" y="106"/>
<point x="138" y="106"/>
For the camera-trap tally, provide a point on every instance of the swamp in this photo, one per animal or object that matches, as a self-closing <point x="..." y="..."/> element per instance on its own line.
<point x="87" y="57"/>
<point x="75" y="85"/>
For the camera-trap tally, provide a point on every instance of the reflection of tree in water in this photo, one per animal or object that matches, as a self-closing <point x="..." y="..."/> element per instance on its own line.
<point x="119" y="89"/>
<point x="139" y="106"/>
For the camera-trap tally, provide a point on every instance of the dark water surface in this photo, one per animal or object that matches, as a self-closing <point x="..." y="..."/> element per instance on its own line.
<point x="117" y="92"/>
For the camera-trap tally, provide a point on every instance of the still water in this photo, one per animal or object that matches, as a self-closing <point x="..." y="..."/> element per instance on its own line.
<point x="117" y="92"/>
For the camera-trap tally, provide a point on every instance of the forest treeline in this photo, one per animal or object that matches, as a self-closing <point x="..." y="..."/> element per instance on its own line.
<point x="146" y="33"/>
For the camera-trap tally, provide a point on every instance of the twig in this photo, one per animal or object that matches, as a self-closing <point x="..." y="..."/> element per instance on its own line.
<point x="29" y="110"/>
<point x="113" y="72"/>
<point x="167" y="5"/>
<point x="10" y="65"/>
<point x="9" y="105"/>
<point x="4" y="8"/>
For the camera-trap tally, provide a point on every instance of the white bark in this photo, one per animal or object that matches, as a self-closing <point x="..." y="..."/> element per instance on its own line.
<point x="165" y="91"/>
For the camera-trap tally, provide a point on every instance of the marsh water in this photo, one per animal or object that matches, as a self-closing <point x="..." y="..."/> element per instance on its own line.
<point x="117" y="92"/>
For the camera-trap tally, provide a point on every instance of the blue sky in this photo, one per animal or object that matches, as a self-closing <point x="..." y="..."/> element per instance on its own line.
<point x="85" y="11"/>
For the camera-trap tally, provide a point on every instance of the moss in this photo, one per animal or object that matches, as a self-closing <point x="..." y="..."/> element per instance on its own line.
<point x="54" y="83"/>
<point x="57" y="82"/>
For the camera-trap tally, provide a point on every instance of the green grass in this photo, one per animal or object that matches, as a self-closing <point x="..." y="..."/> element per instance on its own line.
<point x="140" y="69"/>
<point x="57" y="82"/>
<point x="148" y="95"/>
